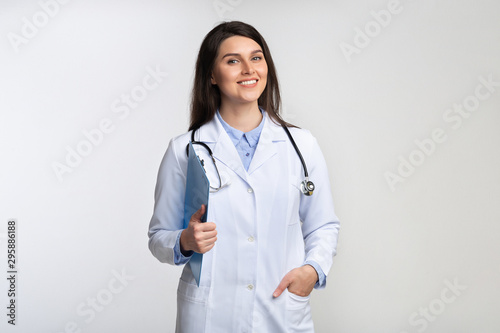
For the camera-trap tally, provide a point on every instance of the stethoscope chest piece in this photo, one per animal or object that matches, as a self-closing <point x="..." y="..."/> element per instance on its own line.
<point x="307" y="187"/>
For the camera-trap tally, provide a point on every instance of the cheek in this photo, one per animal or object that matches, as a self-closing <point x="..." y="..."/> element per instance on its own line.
<point x="227" y="76"/>
<point x="263" y="72"/>
<point x="263" y="75"/>
<point x="220" y="74"/>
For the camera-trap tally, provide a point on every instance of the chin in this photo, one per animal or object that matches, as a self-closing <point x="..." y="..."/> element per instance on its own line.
<point x="251" y="98"/>
<point x="249" y="101"/>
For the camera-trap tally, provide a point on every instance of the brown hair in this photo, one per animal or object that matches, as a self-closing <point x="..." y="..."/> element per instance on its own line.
<point x="206" y="99"/>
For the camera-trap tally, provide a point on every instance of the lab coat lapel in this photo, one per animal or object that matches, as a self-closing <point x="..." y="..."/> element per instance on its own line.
<point x="266" y="148"/>
<point x="223" y="148"/>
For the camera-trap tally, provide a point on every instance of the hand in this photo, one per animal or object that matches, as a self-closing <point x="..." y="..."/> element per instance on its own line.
<point x="198" y="236"/>
<point x="299" y="281"/>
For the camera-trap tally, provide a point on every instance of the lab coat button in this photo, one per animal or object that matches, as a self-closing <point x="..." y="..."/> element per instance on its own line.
<point x="250" y="239"/>
<point x="250" y="190"/>
<point x="250" y="287"/>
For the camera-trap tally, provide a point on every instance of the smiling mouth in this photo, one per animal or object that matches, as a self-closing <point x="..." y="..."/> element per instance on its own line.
<point x="247" y="83"/>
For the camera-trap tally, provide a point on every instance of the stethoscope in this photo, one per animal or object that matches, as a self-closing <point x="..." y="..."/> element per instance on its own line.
<point x="306" y="186"/>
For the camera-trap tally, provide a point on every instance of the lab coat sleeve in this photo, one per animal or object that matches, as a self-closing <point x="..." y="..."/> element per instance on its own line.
<point x="321" y="276"/>
<point x="168" y="215"/>
<point x="320" y="224"/>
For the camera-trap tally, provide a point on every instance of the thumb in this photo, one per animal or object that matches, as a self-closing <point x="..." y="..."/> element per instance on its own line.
<point x="281" y="287"/>
<point x="196" y="217"/>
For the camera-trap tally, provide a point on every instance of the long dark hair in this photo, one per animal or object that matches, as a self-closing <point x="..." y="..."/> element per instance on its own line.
<point x="206" y="97"/>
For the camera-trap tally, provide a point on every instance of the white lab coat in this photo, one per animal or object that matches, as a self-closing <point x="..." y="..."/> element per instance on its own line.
<point x="266" y="227"/>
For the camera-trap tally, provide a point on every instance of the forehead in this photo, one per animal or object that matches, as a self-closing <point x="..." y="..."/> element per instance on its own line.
<point x="238" y="44"/>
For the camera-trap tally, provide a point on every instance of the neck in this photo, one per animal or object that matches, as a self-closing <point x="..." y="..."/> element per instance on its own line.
<point x="243" y="117"/>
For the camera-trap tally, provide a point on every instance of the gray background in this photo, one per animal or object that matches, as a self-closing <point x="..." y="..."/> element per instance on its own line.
<point x="401" y="246"/>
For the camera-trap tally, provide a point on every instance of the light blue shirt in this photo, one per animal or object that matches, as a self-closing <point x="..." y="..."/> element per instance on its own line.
<point x="245" y="144"/>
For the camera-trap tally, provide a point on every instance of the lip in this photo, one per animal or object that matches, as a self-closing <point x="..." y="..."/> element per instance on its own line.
<point x="248" y="85"/>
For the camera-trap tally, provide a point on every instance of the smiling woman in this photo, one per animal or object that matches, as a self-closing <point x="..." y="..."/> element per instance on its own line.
<point x="206" y="94"/>
<point x="260" y="263"/>
<point x="240" y="73"/>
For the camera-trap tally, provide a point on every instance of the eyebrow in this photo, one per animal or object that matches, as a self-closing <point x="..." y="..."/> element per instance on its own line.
<point x="237" y="54"/>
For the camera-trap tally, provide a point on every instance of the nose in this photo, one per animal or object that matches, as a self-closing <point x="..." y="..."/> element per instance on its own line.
<point x="247" y="68"/>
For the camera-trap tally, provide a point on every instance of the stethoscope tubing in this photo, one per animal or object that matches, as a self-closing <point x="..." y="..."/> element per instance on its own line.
<point x="306" y="174"/>
<point x="308" y="188"/>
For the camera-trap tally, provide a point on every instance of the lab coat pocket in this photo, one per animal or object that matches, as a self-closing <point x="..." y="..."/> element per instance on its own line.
<point x="299" y="313"/>
<point x="191" y="307"/>
<point x="296" y="301"/>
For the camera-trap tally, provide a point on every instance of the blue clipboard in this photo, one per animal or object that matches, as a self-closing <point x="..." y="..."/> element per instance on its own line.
<point x="197" y="191"/>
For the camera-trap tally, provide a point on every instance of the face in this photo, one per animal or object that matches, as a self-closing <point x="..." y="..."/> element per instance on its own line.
<point x="240" y="71"/>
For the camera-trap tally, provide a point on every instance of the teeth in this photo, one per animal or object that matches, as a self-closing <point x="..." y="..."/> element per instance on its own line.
<point x="248" y="82"/>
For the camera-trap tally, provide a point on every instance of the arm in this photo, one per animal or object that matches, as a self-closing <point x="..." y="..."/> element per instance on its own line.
<point x="320" y="229"/>
<point x="320" y="223"/>
<point x="168" y="216"/>
<point x="168" y="242"/>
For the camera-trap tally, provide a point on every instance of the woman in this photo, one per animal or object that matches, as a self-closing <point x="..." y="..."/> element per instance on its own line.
<point x="267" y="243"/>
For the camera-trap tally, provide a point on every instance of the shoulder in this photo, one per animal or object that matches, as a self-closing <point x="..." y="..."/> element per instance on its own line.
<point x="301" y="133"/>
<point x="307" y="144"/>
<point x="175" y="155"/>
<point x="298" y="134"/>
<point x="302" y="137"/>
<point x="179" y="142"/>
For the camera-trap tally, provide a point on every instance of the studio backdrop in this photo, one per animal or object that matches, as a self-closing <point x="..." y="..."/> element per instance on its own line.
<point x="403" y="97"/>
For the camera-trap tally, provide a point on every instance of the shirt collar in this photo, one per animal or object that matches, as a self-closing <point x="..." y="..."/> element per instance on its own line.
<point x="252" y="137"/>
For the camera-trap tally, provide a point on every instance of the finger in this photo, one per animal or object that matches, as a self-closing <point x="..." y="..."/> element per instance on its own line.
<point x="207" y="245"/>
<point x="211" y="240"/>
<point x="207" y="248"/>
<point x="208" y="226"/>
<point x="209" y="235"/>
<point x="281" y="287"/>
<point x="204" y="237"/>
<point x="203" y="231"/>
<point x="198" y="214"/>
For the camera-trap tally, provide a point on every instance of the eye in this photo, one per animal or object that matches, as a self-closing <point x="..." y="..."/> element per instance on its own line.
<point x="257" y="58"/>
<point x="232" y="61"/>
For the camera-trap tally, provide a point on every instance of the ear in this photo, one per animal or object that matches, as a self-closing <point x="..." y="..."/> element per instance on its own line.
<point x="212" y="80"/>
